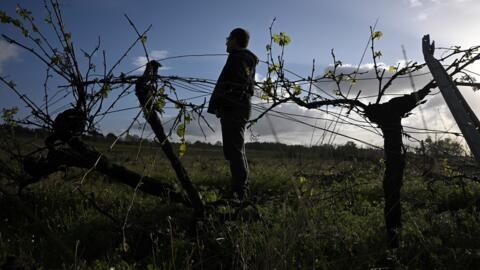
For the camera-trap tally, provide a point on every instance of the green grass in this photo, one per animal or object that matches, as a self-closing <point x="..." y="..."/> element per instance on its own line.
<point x="308" y="212"/>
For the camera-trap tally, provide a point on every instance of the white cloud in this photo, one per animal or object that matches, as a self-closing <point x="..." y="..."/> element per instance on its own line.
<point x="7" y="52"/>
<point x="423" y="3"/>
<point x="368" y="84"/>
<point x="449" y="22"/>
<point x="421" y="16"/>
<point x="415" y="3"/>
<point x="432" y="14"/>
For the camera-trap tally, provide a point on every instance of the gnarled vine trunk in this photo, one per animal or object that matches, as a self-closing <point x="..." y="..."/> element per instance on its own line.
<point x="144" y="89"/>
<point x="81" y="155"/>
<point x="389" y="116"/>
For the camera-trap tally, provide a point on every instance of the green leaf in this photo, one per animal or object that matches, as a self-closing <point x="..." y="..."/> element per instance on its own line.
<point x="182" y="149"/>
<point x="281" y="39"/>
<point x="4" y="18"/>
<point x="273" y="67"/>
<point x="181" y="130"/>
<point x="8" y="115"/>
<point x="268" y="87"/>
<point x="24" y="13"/>
<point x="377" y="54"/>
<point x="161" y="91"/>
<point x="187" y="119"/>
<point x="329" y="74"/>
<point x="143" y="39"/>
<point x="392" y="69"/>
<point x="297" y="90"/>
<point x="302" y="179"/>
<point x="377" y="35"/>
<point x="352" y="80"/>
<point x="105" y="90"/>
<point x="159" y="104"/>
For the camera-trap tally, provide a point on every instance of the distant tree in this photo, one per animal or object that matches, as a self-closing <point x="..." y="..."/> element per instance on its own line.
<point x="350" y="145"/>
<point x="95" y="135"/>
<point x="129" y="138"/>
<point x="443" y="147"/>
<point x="349" y="150"/>
<point x="111" y="137"/>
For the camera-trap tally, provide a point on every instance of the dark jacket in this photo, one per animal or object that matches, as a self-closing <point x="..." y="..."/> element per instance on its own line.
<point x="235" y="85"/>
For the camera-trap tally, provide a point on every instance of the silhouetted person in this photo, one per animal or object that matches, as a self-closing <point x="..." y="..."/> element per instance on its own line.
<point x="230" y="101"/>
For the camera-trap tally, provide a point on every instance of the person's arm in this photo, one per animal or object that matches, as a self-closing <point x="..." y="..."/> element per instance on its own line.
<point x="224" y="82"/>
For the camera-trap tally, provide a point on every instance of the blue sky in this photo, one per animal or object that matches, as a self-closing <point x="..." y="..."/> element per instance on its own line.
<point x="181" y="27"/>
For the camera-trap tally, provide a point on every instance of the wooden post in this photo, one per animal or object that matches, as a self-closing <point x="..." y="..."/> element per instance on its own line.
<point x="462" y="113"/>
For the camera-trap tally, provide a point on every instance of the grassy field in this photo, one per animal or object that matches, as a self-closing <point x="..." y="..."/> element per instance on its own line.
<point x="318" y="208"/>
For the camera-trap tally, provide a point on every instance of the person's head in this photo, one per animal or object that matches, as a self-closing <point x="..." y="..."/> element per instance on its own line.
<point x="238" y="39"/>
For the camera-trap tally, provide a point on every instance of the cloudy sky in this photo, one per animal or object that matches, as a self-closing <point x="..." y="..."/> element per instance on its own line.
<point x="188" y="27"/>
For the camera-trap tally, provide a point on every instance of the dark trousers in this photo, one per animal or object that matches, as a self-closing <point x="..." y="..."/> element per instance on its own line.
<point x="233" y="135"/>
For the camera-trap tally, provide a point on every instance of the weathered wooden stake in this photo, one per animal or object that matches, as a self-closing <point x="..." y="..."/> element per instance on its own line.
<point x="466" y="119"/>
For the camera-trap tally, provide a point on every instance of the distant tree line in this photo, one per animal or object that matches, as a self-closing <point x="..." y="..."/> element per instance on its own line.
<point x="348" y="151"/>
